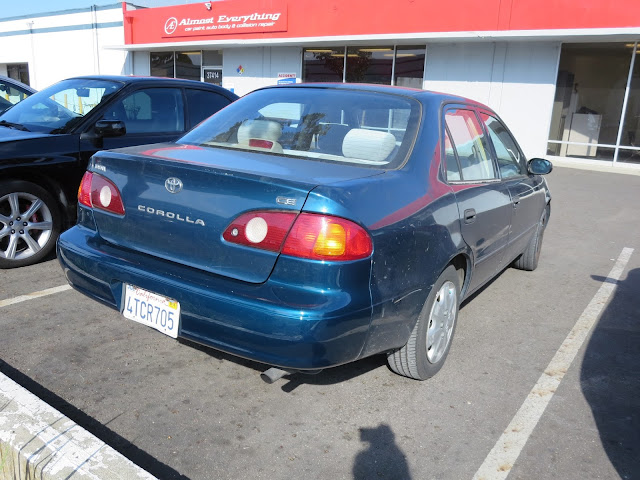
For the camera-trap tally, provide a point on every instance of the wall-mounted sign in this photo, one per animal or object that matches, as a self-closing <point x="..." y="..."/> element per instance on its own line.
<point x="212" y="75"/>
<point x="228" y="19"/>
<point x="284" y="78"/>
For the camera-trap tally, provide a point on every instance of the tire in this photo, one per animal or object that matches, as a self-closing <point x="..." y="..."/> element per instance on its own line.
<point x="529" y="259"/>
<point x="25" y="240"/>
<point x="428" y="346"/>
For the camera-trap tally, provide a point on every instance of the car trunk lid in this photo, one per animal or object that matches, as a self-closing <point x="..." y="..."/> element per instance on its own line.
<point x="179" y="199"/>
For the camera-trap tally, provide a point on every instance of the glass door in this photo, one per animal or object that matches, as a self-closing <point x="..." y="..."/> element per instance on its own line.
<point x="212" y="66"/>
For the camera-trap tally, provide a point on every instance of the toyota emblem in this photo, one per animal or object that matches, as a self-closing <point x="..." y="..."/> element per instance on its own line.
<point x="173" y="185"/>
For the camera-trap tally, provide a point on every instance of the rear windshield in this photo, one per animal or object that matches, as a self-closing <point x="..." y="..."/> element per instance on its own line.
<point x="364" y="128"/>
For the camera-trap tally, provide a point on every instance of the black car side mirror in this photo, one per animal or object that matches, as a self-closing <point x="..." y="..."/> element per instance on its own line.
<point x="539" y="166"/>
<point x="110" y="128"/>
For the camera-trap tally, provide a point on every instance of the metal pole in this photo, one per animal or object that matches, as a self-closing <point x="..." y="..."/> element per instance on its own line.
<point x="344" y="65"/>
<point x="624" y="102"/>
<point x="393" y="65"/>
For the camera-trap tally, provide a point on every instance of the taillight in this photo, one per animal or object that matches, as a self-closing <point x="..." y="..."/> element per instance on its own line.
<point x="265" y="230"/>
<point x="84" y="191"/>
<point x="97" y="192"/>
<point x="313" y="236"/>
<point x="323" y="237"/>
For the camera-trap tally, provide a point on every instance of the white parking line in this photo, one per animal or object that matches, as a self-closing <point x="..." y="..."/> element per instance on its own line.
<point x="31" y="296"/>
<point x="504" y="454"/>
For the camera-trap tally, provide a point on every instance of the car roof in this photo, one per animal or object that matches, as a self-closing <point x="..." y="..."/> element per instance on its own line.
<point x="425" y="96"/>
<point x="160" y="80"/>
<point x="17" y="83"/>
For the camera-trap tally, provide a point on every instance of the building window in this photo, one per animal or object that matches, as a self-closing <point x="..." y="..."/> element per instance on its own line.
<point x="409" y="67"/>
<point x="184" y="64"/>
<point x="162" y="64"/>
<point x="369" y="65"/>
<point x="19" y="71"/>
<point x="188" y="65"/>
<point x="590" y="116"/>
<point x="386" y="65"/>
<point x="212" y="66"/>
<point x="323" y="65"/>
<point x="630" y="135"/>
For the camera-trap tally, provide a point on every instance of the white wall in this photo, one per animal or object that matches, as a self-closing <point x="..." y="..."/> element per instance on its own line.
<point x="528" y="92"/>
<point x="463" y="69"/>
<point x="261" y="66"/>
<point x="141" y="65"/>
<point x="64" y="45"/>
<point x="517" y="80"/>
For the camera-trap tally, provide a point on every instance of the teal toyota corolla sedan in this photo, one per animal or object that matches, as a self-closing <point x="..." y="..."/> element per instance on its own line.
<point x="312" y="225"/>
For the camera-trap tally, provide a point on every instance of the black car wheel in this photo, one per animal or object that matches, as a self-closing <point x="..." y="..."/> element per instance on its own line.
<point x="30" y="223"/>
<point x="428" y="346"/>
<point x="529" y="258"/>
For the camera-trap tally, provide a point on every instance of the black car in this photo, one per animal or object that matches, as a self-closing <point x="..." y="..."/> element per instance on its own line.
<point x="12" y="91"/>
<point x="47" y="139"/>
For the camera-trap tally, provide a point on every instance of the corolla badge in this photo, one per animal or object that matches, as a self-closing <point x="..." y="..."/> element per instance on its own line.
<point x="173" y="185"/>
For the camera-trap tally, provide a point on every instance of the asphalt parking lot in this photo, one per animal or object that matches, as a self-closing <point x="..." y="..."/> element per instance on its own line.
<point x="181" y="411"/>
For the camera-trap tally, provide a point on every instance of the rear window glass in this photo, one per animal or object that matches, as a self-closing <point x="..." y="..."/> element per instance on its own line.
<point x="364" y="128"/>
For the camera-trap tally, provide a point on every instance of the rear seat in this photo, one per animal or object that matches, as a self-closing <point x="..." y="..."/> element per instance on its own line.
<point x="370" y="145"/>
<point x="260" y="130"/>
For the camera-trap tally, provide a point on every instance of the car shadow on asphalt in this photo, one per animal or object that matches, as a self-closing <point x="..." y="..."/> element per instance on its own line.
<point x="123" y="446"/>
<point x="329" y="376"/>
<point x="610" y="376"/>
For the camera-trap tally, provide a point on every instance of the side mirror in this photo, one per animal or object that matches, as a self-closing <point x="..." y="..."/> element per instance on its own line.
<point x="539" y="166"/>
<point x="110" y="128"/>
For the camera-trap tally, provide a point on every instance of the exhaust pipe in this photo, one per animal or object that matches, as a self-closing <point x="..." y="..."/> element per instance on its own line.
<point x="273" y="375"/>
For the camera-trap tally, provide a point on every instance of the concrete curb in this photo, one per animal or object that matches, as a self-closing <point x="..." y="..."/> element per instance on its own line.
<point x="37" y="441"/>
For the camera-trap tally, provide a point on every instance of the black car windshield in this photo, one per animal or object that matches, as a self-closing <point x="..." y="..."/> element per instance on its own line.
<point x="365" y="128"/>
<point x="58" y="108"/>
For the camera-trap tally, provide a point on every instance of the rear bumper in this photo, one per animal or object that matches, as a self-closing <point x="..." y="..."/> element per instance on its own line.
<point x="278" y="322"/>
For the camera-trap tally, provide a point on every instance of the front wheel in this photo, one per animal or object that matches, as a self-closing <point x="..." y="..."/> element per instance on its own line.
<point x="30" y="223"/>
<point x="428" y="346"/>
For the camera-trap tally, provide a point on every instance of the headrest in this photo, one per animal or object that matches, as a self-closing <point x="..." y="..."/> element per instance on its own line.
<point x="365" y="144"/>
<point x="260" y="129"/>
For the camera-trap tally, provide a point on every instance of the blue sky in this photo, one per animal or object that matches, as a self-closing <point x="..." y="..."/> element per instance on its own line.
<point x="34" y="7"/>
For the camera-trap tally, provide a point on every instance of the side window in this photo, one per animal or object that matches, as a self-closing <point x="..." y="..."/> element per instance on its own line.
<point x="450" y="161"/>
<point x="470" y="145"/>
<point x="11" y="94"/>
<point x="510" y="159"/>
<point x="202" y="104"/>
<point x="151" y="110"/>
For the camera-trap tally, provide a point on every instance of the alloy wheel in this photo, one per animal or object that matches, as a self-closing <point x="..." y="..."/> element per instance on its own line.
<point x="26" y="225"/>
<point x="441" y="322"/>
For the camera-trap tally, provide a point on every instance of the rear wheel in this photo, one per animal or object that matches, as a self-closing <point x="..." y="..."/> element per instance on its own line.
<point x="30" y="223"/>
<point x="529" y="258"/>
<point x="428" y="346"/>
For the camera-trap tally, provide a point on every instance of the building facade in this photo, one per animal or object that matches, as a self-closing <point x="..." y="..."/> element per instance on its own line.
<point x="563" y="74"/>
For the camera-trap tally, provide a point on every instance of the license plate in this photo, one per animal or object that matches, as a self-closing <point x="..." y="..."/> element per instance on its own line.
<point x="151" y="309"/>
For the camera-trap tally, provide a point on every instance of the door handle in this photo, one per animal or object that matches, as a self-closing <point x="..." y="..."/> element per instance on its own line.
<point x="516" y="201"/>
<point x="469" y="215"/>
